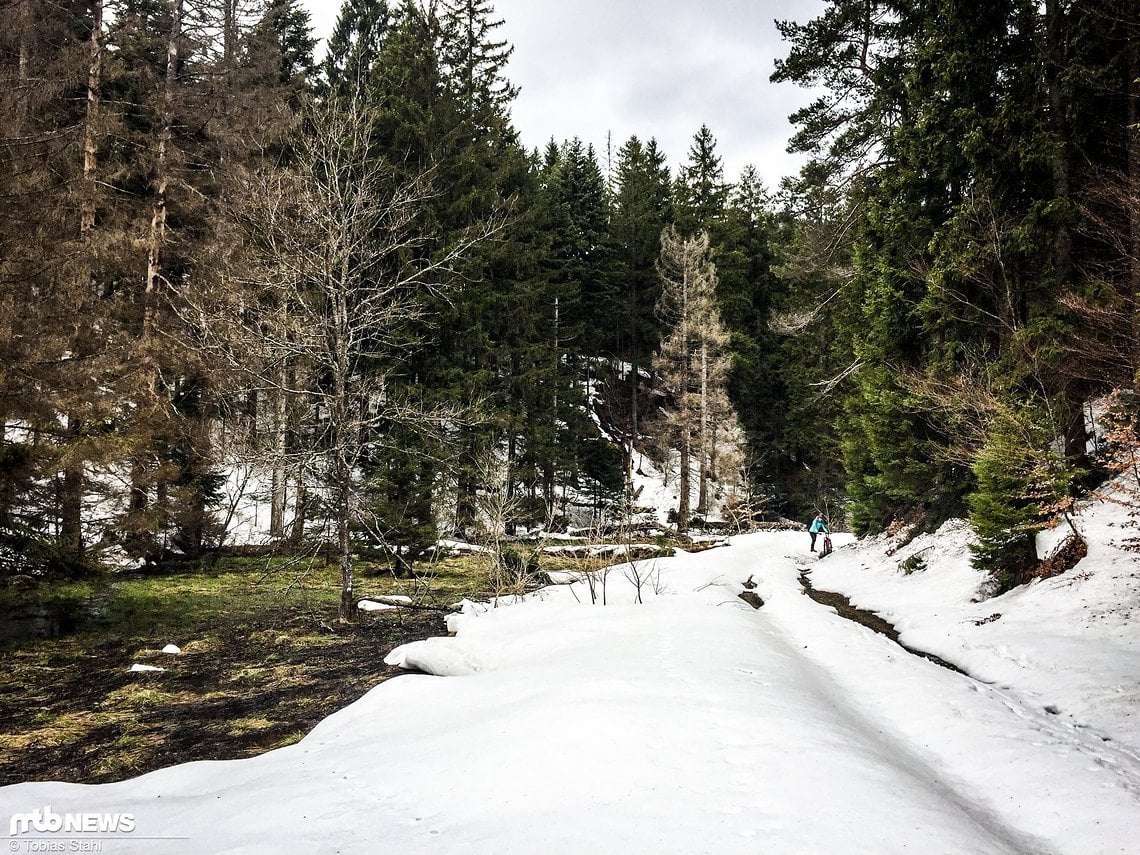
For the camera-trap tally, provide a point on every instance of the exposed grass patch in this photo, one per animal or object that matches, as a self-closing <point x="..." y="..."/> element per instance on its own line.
<point x="63" y="729"/>
<point x="139" y="696"/>
<point x="288" y="739"/>
<point x="250" y="724"/>
<point x="127" y="755"/>
<point x="440" y="582"/>
<point x="263" y="661"/>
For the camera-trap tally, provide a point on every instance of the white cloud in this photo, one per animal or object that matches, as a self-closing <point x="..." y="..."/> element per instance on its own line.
<point x="586" y="68"/>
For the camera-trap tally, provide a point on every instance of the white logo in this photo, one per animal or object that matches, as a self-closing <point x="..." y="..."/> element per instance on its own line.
<point x="47" y="821"/>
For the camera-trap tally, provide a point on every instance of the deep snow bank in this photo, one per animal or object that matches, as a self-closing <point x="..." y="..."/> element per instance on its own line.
<point x="1069" y="644"/>
<point x="688" y="724"/>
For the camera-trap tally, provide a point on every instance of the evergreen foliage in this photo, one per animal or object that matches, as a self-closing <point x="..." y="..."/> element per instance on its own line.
<point x="949" y="144"/>
<point x="1003" y="513"/>
<point x="641" y="208"/>
<point x="700" y="191"/>
<point x="948" y="281"/>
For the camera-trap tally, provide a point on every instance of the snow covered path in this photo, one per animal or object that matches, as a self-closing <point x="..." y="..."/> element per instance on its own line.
<point x="691" y="723"/>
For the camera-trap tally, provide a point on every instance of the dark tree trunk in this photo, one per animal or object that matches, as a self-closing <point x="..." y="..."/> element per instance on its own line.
<point x="683" y="511"/>
<point x="297" y="534"/>
<point x="71" y="493"/>
<point x="1133" y="132"/>
<point x="71" y="501"/>
<point x="1055" y="53"/>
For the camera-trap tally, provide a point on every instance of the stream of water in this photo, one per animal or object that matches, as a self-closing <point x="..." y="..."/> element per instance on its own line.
<point x="872" y="621"/>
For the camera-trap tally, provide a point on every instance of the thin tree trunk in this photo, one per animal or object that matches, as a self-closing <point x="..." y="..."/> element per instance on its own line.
<point x="548" y="464"/>
<point x="683" y="511"/>
<point x="629" y="444"/>
<point x="229" y="41"/>
<point x="466" y="489"/>
<point x="344" y="544"/>
<point x="1133" y="132"/>
<point x="137" y="501"/>
<point x="715" y="433"/>
<point x="633" y="426"/>
<point x="24" y="61"/>
<point x="155" y="241"/>
<point x="90" y="134"/>
<point x="71" y="494"/>
<point x="703" y="487"/>
<point x="157" y="237"/>
<point x="277" y="489"/>
<point x="342" y="482"/>
<point x="509" y="523"/>
<point x="71" y="500"/>
<point x="196" y="457"/>
<point x="343" y="499"/>
<point x="297" y="534"/>
<point x="1054" y="50"/>
<point x="346" y="434"/>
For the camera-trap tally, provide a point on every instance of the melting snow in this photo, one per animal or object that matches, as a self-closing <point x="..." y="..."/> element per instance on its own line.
<point x="693" y="723"/>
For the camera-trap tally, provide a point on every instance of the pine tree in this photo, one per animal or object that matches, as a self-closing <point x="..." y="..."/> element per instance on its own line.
<point x="1004" y="513"/>
<point x="51" y="60"/>
<point x="283" y="37"/>
<point x="355" y="44"/>
<point x="700" y="191"/>
<point x="690" y="364"/>
<point x="641" y="208"/>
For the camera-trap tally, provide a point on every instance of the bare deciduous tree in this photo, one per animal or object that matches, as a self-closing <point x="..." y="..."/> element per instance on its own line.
<point x="331" y="300"/>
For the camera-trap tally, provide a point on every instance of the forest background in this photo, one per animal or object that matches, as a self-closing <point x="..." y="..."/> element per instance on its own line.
<point x="215" y="248"/>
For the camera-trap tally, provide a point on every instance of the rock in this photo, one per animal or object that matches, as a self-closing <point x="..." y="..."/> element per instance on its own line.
<point x="752" y="598"/>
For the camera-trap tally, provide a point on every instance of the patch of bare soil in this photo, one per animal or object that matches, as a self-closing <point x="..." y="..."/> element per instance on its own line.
<point x="71" y="710"/>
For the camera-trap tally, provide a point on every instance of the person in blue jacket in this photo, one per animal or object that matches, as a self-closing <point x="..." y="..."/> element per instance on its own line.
<point x="819" y="524"/>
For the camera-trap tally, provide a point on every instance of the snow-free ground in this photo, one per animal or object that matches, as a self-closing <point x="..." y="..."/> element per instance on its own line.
<point x="693" y="723"/>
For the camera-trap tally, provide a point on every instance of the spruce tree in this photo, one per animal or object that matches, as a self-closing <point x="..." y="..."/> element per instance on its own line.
<point x="571" y="217"/>
<point x="581" y="243"/>
<point x="51" y="62"/>
<point x="700" y="191"/>
<point x="283" y="37"/>
<point x="1016" y="484"/>
<point x="746" y="291"/>
<point x="355" y="43"/>
<point x="641" y="208"/>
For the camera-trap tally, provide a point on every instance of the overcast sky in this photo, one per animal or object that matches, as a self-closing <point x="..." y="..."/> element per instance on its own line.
<point x="655" y="69"/>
